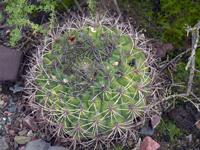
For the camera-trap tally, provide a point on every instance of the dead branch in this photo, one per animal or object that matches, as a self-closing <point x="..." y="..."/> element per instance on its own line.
<point x="191" y="62"/>
<point x="103" y="3"/>
<point x="118" y="10"/>
<point x="79" y="7"/>
<point x="68" y="11"/>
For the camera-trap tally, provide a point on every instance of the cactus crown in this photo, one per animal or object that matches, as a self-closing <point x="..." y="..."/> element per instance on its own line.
<point x="92" y="77"/>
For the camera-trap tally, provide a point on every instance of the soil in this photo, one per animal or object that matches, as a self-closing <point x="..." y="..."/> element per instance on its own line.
<point x="183" y="115"/>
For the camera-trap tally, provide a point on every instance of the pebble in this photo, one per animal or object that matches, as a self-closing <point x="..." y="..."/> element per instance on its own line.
<point x="12" y="109"/>
<point x="30" y="133"/>
<point x="11" y="88"/>
<point x="166" y="138"/>
<point x="22" y="139"/>
<point x="4" y="145"/>
<point x="11" y="131"/>
<point x="23" y="132"/>
<point x="29" y="122"/>
<point x="17" y="124"/>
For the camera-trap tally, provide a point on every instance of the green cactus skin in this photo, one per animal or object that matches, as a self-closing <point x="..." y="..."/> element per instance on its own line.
<point x="85" y="81"/>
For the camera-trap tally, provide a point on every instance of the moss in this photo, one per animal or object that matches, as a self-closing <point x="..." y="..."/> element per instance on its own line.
<point x="169" y="128"/>
<point x="67" y="3"/>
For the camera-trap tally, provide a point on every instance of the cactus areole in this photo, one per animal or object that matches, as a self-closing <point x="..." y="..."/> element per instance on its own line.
<point x="91" y="76"/>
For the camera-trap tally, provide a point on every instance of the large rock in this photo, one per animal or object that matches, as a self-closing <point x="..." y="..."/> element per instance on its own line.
<point x="10" y="60"/>
<point x="4" y="145"/>
<point x="149" y="144"/>
<point x="57" y="148"/>
<point x="37" y="145"/>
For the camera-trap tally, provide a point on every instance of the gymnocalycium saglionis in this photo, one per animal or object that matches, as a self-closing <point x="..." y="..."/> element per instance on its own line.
<point x="90" y="79"/>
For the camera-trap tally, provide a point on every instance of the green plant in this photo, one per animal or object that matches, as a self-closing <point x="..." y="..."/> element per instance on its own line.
<point x="19" y="11"/>
<point x="173" y="15"/>
<point x="91" y="4"/>
<point x="91" y="79"/>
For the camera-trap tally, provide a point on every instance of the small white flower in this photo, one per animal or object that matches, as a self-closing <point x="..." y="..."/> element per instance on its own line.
<point x="115" y="63"/>
<point x="65" y="80"/>
<point x="92" y="29"/>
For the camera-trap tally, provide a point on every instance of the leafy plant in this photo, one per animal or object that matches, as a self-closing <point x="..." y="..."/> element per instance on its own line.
<point x="91" y="4"/>
<point x="19" y="11"/>
<point x="90" y="79"/>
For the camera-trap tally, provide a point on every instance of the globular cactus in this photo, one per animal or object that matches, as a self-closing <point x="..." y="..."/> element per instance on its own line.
<point x="92" y="77"/>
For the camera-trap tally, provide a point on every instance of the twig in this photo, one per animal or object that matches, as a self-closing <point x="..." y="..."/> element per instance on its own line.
<point x="3" y="2"/>
<point x="68" y="11"/>
<point x="164" y="99"/>
<point x="118" y="10"/>
<point x="103" y="3"/>
<point x="195" y="38"/>
<point x="79" y="7"/>
<point x="171" y="61"/>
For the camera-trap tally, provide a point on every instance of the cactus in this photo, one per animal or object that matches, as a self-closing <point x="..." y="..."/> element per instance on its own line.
<point x="91" y="76"/>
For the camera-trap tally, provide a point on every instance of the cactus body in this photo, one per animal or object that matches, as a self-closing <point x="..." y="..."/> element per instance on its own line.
<point x="91" y="78"/>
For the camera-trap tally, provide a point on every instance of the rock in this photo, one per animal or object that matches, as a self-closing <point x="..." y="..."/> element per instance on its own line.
<point x="22" y="139"/>
<point x="189" y="137"/>
<point x="3" y="144"/>
<point x="12" y="109"/>
<point x="155" y="120"/>
<point x="161" y="48"/>
<point x="17" y="88"/>
<point x="8" y="113"/>
<point x="57" y="148"/>
<point x="11" y="131"/>
<point x="29" y="122"/>
<point x="198" y="124"/>
<point x="37" y="145"/>
<point x="149" y="144"/>
<point x="166" y="138"/>
<point x="10" y="60"/>
<point x="146" y="131"/>
<point x="23" y="132"/>
<point x="22" y="148"/>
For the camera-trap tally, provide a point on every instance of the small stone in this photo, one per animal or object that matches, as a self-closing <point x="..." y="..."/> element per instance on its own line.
<point x="22" y="148"/>
<point x="146" y="131"/>
<point x="17" y="124"/>
<point x="12" y="109"/>
<point x="57" y="148"/>
<point x="30" y="133"/>
<point x="37" y="145"/>
<point x="23" y="132"/>
<point x="166" y="138"/>
<point x="22" y="139"/>
<point x="8" y="113"/>
<point x="11" y="88"/>
<point x="29" y="122"/>
<point x="16" y="145"/>
<point x="149" y="144"/>
<point x="4" y="145"/>
<point x="1" y="103"/>
<point x="155" y="120"/>
<point x="11" y="131"/>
